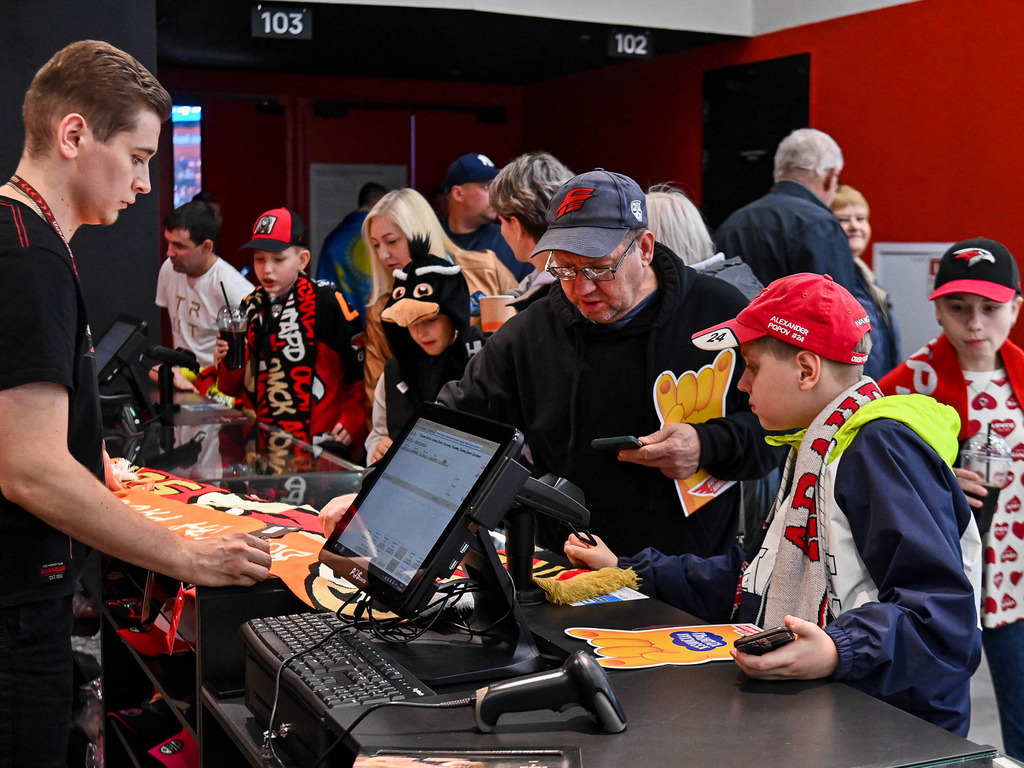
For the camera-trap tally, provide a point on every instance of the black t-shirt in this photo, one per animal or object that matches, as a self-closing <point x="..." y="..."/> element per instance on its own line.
<point x="44" y="337"/>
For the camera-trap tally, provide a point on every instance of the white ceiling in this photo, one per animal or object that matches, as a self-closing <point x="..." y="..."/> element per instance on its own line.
<point x="729" y="17"/>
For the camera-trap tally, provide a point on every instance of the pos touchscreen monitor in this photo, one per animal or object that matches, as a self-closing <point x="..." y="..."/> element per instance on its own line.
<point x="419" y="511"/>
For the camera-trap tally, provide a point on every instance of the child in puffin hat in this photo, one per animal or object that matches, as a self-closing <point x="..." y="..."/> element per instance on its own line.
<point x="426" y="321"/>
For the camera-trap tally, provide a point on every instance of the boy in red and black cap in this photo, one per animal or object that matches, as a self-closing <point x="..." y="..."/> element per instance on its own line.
<point x="974" y="367"/>
<point x="861" y="555"/>
<point x="303" y="370"/>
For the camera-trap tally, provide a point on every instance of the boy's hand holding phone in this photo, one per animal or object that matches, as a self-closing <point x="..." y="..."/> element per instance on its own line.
<point x="812" y="655"/>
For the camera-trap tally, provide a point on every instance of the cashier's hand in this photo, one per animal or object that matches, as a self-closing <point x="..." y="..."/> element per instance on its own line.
<point x="334" y="510"/>
<point x="230" y="559"/>
<point x="583" y="555"/>
<point x="220" y="352"/>
<point x="674" y="449"/>
<point x="970" y="482"/>
<point x="812" y="655"/>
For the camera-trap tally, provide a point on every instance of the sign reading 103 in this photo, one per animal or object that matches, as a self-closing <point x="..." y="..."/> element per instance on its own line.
<point x="282" y="21"/>
<point x="630" y="45"/>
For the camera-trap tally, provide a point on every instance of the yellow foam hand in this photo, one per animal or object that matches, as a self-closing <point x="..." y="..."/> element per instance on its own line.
<point x="693" y="398"/>
<point x="640" y="648"/>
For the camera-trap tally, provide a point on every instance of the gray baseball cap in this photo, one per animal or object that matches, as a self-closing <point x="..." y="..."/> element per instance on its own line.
<point x="591" y="213"/>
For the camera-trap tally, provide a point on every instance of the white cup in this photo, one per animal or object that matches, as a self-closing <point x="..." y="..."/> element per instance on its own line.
<point x="494" y="311"/>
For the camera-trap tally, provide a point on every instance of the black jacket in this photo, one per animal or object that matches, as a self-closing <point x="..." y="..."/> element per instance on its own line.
<point x="791" y="230"/>
<point x="564" y="380"/>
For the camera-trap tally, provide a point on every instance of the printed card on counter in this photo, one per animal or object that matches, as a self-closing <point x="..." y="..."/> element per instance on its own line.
<point x="678" y="646"/>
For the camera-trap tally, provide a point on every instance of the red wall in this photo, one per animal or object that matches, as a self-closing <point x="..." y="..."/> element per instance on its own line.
<point x="255" y="161"/>
<point x="925" y="100"/>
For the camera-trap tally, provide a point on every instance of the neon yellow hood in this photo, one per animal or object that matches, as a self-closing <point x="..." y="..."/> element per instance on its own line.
<point x="936" y="424"/>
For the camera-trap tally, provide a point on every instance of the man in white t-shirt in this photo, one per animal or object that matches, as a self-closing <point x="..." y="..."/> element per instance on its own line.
<point x="189" y="286"/>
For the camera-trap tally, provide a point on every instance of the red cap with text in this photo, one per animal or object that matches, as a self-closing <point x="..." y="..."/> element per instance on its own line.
<point x="809" y="311"/>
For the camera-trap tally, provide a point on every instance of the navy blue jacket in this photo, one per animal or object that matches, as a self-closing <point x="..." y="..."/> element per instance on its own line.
<point x="918" y="645"/>
<point x="791" y="230"/>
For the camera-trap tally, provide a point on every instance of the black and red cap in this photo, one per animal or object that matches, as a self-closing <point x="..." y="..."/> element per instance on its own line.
<point x="278" y="229"/>
<point x="979" y="266"/>
<point x="591" y="213"/>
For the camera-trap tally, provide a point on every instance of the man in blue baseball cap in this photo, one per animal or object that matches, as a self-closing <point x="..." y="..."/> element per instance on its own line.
<point x="610" y="354"/>
<point x="470" y="222"/>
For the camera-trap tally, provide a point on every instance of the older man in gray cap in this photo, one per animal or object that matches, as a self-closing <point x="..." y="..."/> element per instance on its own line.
<point x="609" y="354"/>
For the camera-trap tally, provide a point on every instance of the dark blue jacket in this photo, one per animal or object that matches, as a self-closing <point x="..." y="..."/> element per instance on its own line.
<point x="918" y="645"/>
<point x="791" y="230"/>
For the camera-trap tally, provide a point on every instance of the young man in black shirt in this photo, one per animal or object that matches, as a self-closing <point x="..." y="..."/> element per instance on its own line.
<point x="92" y="123"/>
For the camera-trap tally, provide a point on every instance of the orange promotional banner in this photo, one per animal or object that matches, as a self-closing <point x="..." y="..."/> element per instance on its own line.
<point x="199" y="510"/>
<point x="294" y="553"/>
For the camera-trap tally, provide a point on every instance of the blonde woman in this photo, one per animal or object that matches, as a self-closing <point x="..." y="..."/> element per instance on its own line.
<point x="397" y="218"/>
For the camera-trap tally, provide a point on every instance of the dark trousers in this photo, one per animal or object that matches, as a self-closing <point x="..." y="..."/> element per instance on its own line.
<point x="35" y="683"/>
<point x="1004" y="648"/>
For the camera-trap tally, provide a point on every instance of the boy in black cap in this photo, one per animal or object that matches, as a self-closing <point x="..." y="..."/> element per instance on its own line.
<point x="303" y="370"/>
<point x="974" y="367"/>
<point x="470" y="220"/>
<point x="426" y="321"/>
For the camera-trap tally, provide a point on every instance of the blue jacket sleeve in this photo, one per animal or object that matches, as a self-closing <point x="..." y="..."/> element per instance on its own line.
<point x="918" y="645"/>
<point x="703" y="586"/>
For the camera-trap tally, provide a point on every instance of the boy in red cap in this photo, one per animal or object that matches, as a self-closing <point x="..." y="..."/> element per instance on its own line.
<point x="861" y="556"/>
<point x="974" y="367"/>
<point x="303" y="369"/>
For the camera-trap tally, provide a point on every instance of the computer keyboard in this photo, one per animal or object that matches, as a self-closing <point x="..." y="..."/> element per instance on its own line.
<point x="344" y="671"/>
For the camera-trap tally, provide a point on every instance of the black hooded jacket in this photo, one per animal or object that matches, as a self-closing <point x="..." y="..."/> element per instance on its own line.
<point x="412" y="376"/>
<point x="564" y="380"/>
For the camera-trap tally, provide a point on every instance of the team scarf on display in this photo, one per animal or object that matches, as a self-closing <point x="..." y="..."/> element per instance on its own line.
<point x="282" y="357"/>
<point x="799" y="581"/>
<point x="934" y="370"/>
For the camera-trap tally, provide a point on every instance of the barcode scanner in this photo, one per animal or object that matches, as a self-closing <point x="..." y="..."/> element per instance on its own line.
<point x="580" y="681"/>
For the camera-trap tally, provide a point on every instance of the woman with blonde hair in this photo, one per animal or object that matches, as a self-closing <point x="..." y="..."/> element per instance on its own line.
<point x="397" y="218"/>
<point x="678" y="225"/>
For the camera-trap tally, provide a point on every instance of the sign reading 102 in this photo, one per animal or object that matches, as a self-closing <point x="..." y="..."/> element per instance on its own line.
<point x="630" y="45"/>
<point x="282" y="21"/>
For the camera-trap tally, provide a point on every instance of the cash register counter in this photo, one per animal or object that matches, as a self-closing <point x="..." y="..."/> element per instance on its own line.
<point x="705" y="715"/>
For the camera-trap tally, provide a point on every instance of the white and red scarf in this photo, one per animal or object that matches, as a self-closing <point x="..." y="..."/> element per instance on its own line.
<point x="799" y="582"/>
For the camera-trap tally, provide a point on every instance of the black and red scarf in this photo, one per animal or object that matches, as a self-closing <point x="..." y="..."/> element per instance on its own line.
<point x="282" y="356"/>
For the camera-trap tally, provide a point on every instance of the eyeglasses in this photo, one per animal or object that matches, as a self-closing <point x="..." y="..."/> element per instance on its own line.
<point x="596" y="274"/>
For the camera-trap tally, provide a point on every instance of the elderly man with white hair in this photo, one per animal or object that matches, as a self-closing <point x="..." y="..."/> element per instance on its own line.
<point x="791" y="229"/>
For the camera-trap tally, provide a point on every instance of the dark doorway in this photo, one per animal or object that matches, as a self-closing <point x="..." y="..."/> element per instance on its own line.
<point x="748" y="110"/>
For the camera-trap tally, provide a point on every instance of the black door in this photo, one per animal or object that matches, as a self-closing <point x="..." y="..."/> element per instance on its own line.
<point x="748" y="110"/>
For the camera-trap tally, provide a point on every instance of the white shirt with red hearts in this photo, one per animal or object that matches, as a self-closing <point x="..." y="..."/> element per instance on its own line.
<point x="990" y="400"/>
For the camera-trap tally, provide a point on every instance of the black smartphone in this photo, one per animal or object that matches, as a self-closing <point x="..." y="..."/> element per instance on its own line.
<point x="619" y="443"/>
<point x="764" y="642"/>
